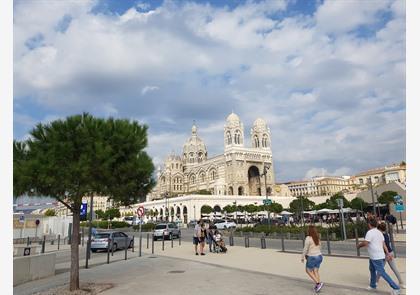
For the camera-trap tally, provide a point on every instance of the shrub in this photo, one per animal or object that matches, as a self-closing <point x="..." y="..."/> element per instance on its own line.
<point x="145" y="227"/>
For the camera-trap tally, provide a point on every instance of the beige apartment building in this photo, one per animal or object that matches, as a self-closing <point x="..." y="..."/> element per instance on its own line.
<point x="382" y="175"/>
<point x="99" y="203"/>
<point x="319" y="186"/>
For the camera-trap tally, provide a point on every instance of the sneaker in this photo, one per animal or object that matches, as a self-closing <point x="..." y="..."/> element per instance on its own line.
<point x="395" y="292"/>
<point x="196" y="253"/>
<point x="320" y="285"/>
<point x="316" y="286"/>
<point x="369" y="288"/>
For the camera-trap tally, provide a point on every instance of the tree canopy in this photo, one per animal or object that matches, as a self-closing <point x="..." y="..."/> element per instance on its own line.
<point x="387" y="197"/>
<point x="206" y="209"/>
<point x="296" y="204"/>
<point x="83" y="156"/>
<point x="358" y="204"/>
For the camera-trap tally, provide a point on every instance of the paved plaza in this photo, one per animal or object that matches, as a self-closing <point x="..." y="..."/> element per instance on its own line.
<point x="241" y="271"/>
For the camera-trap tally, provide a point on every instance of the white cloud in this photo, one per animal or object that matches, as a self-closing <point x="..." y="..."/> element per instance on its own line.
<point x="330" y="97"/>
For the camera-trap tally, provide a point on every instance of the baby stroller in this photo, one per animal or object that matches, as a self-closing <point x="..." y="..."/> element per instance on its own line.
<point x="219" y="243"/>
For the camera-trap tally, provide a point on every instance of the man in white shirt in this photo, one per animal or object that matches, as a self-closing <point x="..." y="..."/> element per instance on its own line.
<point x="377" y="251"/>
<point x="197" y="232"/>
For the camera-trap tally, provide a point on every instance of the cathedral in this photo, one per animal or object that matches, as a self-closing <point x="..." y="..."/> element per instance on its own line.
<point x="240" y="170"/>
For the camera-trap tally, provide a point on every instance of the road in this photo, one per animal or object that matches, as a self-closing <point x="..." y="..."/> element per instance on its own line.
<point x="345" y="248"/>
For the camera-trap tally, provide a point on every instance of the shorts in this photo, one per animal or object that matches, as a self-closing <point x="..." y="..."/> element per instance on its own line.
<point x="313" y="262"/>
<point x="202" y="239"/>
<point x="195" y="241"/>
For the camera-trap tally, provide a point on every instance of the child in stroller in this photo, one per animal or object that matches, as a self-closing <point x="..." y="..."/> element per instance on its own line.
<point x="219" y="243"/>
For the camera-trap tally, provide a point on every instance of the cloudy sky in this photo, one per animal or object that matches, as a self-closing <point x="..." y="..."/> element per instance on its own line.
<point x="328" y="76"/>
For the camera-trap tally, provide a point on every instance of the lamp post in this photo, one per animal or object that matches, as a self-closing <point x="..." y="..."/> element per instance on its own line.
<point x="266" y="167"/>
<point x="371" y="191"/>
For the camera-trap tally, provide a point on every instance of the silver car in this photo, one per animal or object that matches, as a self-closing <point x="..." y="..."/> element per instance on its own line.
<point x="117" y="240"/>
<point x="166" y="230"/>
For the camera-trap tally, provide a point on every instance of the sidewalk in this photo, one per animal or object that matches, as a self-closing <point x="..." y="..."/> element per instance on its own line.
<point x="338" y="273"/>
<point x="350" y="272"/>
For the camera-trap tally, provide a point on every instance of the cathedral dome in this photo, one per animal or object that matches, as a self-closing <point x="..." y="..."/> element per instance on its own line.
<point x="233" y="118"/>
<point x="194" y="148"/>
<point x="260" y="123"/>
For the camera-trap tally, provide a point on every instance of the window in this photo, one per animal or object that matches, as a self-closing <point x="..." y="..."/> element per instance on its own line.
<point x="360" y="180"/>
<point x="237" y="137"/>
<point x="202" y="177"/>
<point x="229" y="137"/>
<point x="256" y="141"/>
<point x="265" y="140"/>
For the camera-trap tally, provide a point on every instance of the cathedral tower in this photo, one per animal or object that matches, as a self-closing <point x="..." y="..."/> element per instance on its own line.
<point x="233" y="131"/>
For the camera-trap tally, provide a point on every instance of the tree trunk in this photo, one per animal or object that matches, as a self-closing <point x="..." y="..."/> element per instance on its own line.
<point x="74" y="269"/>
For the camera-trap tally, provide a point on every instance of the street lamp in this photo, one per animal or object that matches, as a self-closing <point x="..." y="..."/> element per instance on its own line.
<point x="371" y="191"/>
<point x="266" y="167"/>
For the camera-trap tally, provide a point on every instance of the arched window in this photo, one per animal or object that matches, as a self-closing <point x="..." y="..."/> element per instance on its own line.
<point x="265" y="140"/>
<point x="191" y="157"/>
<point x="192" y="179"/>
<point x="213" y="174"/>
<point x="200" y="157"/>
<point x="229" y="137"/>
<point x="256" y="141"/>
<point x="202" y="177"/>
<point x="237" y="137"/>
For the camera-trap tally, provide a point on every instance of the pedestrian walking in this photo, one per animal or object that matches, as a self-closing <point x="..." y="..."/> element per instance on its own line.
<point x="209" y="233"/>
<point x="202" y="237"/>
<point x="391" y="260"/>
<point x="377" y="250"/>
<point x="312" y="253"/>
<point x="196" y="235"/>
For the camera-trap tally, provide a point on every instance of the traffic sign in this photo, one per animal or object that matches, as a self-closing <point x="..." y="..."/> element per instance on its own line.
<point x="340" y="203"/>
<point x="140" y="211"/>
<point x="83" y="209"/>
<point x="267" y="202"/>
<point x="22" y="218"/>
<point x="399" y="203"/>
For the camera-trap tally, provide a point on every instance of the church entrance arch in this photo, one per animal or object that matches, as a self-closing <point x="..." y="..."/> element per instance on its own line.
<point x="185" y="213"/>
<point x="240" y="191"/>
<point x="254" y="181"/>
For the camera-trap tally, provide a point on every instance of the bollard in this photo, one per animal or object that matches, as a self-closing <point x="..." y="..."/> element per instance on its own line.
<point x="132" y="248"/>
<point x="83" y="238"/>
<point x="263" y="245"/>
<point x="58" y="244"/>
<point x="147" y="242"/>
<point x="172" y="241"/>
<point x="108" y="249"/>
<point x="282" y="242"/>
<point x="163" y="242"/>
<point x="43" y="245"/>
<point x="246" y="246"/>
<point x="391" y="237"/>
<point x="328" y="242"/>
<point x="140" y="238"/>
<point x="27" y="241"/>
<point x="112" y="245"/>
<point x="179" y="238"/>
<point x="153" y="246"/>
<point x="231" y="239"/>
<point x="303" y="239"/>
<point x="356" y="235"/>
<point x="125" y="248"/>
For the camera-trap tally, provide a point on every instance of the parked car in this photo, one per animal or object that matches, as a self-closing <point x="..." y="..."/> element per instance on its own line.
<point x="166" y="230"/>
<point x="117" y="240"/>
<point x="225" y="224"/>
<point x="192" y="223"/>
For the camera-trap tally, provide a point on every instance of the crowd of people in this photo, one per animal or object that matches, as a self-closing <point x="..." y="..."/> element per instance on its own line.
<point x="208" y="233"/>
<point x="379" y="248"/>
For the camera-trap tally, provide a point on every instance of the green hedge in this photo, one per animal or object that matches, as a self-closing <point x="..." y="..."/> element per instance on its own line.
<point x="104" y="224"/>
<point x="297" y="230"/>
<point x="145" y="227"/>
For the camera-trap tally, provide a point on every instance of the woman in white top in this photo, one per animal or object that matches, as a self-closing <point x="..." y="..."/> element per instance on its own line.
<point x="313" y="255"/>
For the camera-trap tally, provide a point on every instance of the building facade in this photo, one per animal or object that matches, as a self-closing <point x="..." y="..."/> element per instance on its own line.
<point x="382" y="175"/>
<point x="320" y="186"/>
<point x="238" y="171"/>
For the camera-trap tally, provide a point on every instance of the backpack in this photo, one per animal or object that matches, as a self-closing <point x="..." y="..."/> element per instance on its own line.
<point x="393" y="219"/>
